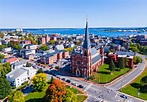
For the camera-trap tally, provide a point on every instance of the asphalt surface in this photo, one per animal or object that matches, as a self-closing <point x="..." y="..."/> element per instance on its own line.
<point x="108" y="93"/>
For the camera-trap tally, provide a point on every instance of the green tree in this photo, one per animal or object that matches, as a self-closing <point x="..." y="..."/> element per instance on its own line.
<point x="52" y="42"/>
<point x="40" y="71"/>
<point x="121" y="64"/>
<point x="1" y="56"/>
<point x="2" y="46"/>
<point x="52" y="78"/>
<point x="1" y="35"/>
<point x="5" y="88"/>
<point x="17" y="47"/>
<point x="44" y="47"/>
<point x="16" y="96"/>
<point x="143" y="83"/>
<point x="112" y="66"/>
<point x="137" y="59"/>
<point x="69" y="39"/>
<point x="28" y="64"/>
<point x="126" y="61"/>
<point x="39" y="81"/>
<point x="69" y="96"/>
<point x="5" y="68"/>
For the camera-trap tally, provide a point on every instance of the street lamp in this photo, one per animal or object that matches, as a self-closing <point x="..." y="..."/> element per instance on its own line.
<point x="138" y="92"/>
<point x="99" y="78"/>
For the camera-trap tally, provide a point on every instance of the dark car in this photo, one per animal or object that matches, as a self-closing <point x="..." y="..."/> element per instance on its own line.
<point x="68" y="81"/>
<point x="123" y="96"/>
<point x="80" y="86"/>
<point x="63" y="79"/>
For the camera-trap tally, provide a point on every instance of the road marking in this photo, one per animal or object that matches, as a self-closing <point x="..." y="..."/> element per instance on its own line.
<point x="87" y="87"/>
<point x="116" y="95"/>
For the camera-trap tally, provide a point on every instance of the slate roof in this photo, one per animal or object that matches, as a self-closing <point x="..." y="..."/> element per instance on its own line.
<point x="96" y="58"/>
<point x="94" y="51"/>
<point x="19" y="63"/>
<point x="16" y="73"/>
<point x="53" y="53"/>
<point x="59" y="47"/>
<point x="125" y="53"/>
<point x="86" y="41"/>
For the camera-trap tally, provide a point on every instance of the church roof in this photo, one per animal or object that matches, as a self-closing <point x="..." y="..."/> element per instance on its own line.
<point x="96" y="58"/>
<point x="94" y="51"/>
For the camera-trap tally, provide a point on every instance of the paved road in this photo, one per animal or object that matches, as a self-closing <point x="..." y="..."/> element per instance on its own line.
<point x="128" y="78"/>
<point x="106" y="93"/>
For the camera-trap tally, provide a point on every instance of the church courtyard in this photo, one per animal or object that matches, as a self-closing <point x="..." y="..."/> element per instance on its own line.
<point x="103" y="76"/>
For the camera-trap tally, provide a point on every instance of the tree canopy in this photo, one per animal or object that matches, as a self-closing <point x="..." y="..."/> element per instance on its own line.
<point x="16" y="96"/>
<point x="55" y="91"/>
<point x="69" y="96"/>
<point x="112" y="66"/>
<point x="5" y="88"/>
<point x="39" y="81"/>
<point x="44" y="47"/>
<point x="121" y="63"/>
<point x="28" y="64"/>
<point x="4" y="69"/>
<point x="143" y="81"/>
<point x="137" y="59"/>
<point x="52" y="41"/>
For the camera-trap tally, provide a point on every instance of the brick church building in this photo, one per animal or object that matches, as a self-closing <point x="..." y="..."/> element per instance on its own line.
<point x="86" y="60"/>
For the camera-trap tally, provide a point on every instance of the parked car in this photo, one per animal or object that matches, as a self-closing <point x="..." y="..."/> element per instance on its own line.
<point x="63" y="79"/>
<point x="81" y="86"/>
<point x="74" y="84"/>
<point x="123" y="96"/>
<point x="68" y="81"/>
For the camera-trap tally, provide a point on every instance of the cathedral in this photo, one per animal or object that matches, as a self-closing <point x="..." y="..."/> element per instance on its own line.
<point x="86" y="60"/>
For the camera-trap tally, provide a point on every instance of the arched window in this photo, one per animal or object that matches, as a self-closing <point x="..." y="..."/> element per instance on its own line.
<point x="85" y="53"/>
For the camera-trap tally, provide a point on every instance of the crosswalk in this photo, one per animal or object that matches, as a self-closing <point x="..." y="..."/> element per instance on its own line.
<point x="86" y="88"/>
<point x="96" y="98"/>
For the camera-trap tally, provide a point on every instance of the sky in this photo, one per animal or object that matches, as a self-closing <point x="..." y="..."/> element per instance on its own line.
<point x="72" y="13"/>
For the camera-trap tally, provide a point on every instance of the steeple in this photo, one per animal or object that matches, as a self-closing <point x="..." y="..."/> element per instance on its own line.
<point x="86" y="44"/>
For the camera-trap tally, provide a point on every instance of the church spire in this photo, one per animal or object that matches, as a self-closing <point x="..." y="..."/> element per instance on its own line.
<point x="86" y="44"/>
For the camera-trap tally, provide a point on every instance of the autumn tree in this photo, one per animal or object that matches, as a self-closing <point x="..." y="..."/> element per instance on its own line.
<point x="5" y="88"/>
<point x="69" y="96"/>
<point x="16" y="96"/>
<point x="55" y="91"/>
<point x="39" y="81"/>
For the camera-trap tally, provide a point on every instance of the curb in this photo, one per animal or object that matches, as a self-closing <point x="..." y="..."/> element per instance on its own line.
<point x="132" y="96"/>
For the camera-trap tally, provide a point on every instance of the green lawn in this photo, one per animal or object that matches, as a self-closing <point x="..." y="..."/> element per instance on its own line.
<point x="38" y="96"/>
<point x="103" y="75"/>
<point x="132" y="89"/>
<point x="81" y="98"/>
<point x="74" y="90"/>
